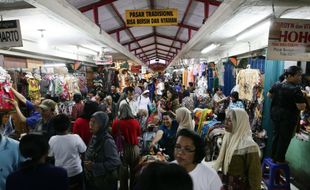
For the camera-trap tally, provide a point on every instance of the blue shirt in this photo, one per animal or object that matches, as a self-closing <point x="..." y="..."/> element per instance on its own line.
<point x="34" y="117"/>
<point x="10" y="158"/>
<point x="168" y="140"/>
<point x="169" y="133"/>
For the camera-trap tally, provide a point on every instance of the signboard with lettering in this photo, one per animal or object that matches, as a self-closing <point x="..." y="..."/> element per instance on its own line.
<point x="289" y="39"/>
<point x="152" y="17"/>
<point x="10" y="34"/>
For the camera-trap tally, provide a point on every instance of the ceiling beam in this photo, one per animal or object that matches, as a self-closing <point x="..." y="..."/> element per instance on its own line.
<point x="118" y="29"/>
<point x="147" y="45"/>
<point x="158" y="44"/>
<point x="166" y="50"/>
<point x="162" y="54"/>
<point x="182" y="25"/>
<point x="95" y="5"/>
<point x="145" y="51"/>
<point x="138" y="39"/>
<point x="176" y="48"/>
<point x="126" y="27"/>
<point x="159" y="55"/>
<point x="151" y="35"/>
<point x="170" y="38"/>
<point x="154" y="57"/>
<point x="124" y="24"/>
<point x="211" y="2"/>
<point x="182" y="21"/>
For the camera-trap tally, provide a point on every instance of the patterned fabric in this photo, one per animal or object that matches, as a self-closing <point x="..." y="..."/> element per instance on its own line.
<point x="188" y="102"/>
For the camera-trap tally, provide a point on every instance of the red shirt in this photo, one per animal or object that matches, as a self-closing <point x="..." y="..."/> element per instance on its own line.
<point x="81" y="127"/>
<point x="130" y="129"/>
<point x="77" y="110"/>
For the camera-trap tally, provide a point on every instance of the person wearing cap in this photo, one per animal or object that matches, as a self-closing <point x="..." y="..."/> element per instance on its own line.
<point x="45" y="126"/>
<point x="144" y="100"/>
<point x="34" y="116"/>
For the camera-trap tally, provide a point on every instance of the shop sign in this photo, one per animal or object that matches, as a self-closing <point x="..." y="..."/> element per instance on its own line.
<point x="152" y="17"/>
<point x="10" y="34"/>
<point x="289" y="39"/>
<point x="104" y="60"/>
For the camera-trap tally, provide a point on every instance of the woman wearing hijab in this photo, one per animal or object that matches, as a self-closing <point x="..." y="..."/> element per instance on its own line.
<point x="188" y="101"/>
<point x="101" y="158"/>
<point x="239" y="156"/>
<point x="130" y="129"/>
<point x="184" y="118"/>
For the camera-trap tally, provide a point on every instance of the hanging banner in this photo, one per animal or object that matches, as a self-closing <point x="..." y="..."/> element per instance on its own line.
<point x="104" y="60"/>
<point x="10" y="34"/>
<point x="289" y="40"/>
<point x="152" y="17"/>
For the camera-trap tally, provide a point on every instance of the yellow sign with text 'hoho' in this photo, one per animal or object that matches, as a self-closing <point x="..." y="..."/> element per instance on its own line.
<point x="152" y="17"/>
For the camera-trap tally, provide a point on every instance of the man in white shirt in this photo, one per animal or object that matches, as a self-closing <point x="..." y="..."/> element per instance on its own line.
<point x="66" y="149"/>
<point x="130" y="91"/>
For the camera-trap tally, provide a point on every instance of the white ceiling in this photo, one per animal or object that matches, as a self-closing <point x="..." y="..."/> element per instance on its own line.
<point x="65" y="39"/>
<point x="235" y="17"/>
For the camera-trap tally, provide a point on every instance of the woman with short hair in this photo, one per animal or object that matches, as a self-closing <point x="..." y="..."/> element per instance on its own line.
<point x="81" y="124"/>
<point x="189" y="152"/>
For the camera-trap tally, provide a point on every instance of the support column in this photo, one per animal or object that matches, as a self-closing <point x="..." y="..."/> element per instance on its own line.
<point x="189" y="34"/>
<point x="96" y="17"/>
<point x="207" y="6"/>
<point x="117" y="36"/>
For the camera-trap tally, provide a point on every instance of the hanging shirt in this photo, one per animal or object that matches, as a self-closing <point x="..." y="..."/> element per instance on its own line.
<point x="247" y="79"/>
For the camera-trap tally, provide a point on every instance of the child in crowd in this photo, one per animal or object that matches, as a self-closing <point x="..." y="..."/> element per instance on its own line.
<point x="66" y="149"/>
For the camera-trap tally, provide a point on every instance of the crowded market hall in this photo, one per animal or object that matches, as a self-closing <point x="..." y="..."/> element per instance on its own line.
<point x="154" y="94"/>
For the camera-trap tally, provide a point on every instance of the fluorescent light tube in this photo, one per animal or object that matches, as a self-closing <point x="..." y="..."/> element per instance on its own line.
<point x="209" y="48"/>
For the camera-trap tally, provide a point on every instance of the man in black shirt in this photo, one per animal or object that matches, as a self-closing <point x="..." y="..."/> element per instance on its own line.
<point x="287" y="102"/>
<point x="114" y="94"/>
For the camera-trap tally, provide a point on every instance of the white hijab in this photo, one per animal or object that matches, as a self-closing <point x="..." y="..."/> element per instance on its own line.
<point x="184" y="118"/>
<point x="239" y="139"/>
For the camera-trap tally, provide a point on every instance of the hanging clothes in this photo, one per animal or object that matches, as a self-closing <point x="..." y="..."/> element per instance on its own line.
<point x="247" y="79"/>
<point x="34" y="89"/>
<point x="5" y="91"/>
<point x="184" y="77"/>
